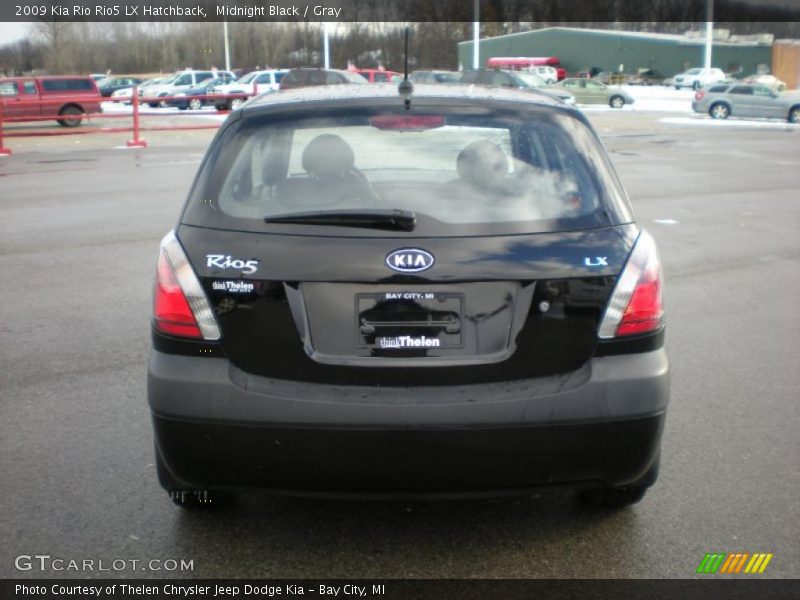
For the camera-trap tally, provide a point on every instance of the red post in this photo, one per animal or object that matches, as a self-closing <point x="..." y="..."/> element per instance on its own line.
<point x="3" y="150"/>
<point x="136" y="142"/>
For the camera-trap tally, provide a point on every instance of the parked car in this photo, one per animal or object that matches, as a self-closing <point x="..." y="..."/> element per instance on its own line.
<point x="434" y="77"/>
<point x="198" y="96"/>
<point x="697" y="78"/>
<point x="514" y="79"/>
<point x="259" y="82"/>
<point x="65" y="99"/>
<point x="645" y="77"/>
<point x="98" y="76"/>
<point x="309" y="76"/>
<point x="180" y="82"/>
<point x="125" y="94"/>
<point x="610" y="78"/>
<point x="590" y="91"/>
<point x="770" y="81"/>
<point x="377" y="75"/>
<point x="746" y="100"/>
<point x="112" y="84"/>
<point x="377" y="302"/>
<point x="547" y="73"/>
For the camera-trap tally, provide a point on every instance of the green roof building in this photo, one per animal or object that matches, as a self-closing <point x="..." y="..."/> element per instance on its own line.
<point x="609" y="50"/>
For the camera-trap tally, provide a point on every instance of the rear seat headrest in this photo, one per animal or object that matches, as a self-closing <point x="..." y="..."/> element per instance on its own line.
<point x="328" y="155"/>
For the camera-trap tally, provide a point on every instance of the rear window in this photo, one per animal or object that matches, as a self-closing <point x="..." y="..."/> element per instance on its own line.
<point x="460" y="174"/>
<point x="68" y="85"/>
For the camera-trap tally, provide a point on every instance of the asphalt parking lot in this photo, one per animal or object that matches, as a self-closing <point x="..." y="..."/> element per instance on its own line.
<point x="78" y="238"/>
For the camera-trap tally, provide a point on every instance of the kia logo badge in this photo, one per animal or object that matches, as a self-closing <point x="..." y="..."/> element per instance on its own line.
<point x="409" y="260"/>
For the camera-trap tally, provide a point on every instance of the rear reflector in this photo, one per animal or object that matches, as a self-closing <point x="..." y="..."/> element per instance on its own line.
<point x="180" y="306"/>
<point x="635" y="305"/>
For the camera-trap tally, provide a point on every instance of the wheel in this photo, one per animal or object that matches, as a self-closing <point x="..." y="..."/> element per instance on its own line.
<point x="620" y="497"/>
<point x="72" y="121"/>
<point x="152" y="104"/>
<point x="616" y="102"/>
<point x="163" y="104"/>
<point x="613" y="497"/>
<point x="696" y="85"/>
<point x="719" y="111"/>
<point x="195" y="104"/>
<point x="794" y="114"/>
<point x="677" y="87"/>
<point x="199" y="499"/>
<point x="189" y="498"/>
<point x="235" y="103"/>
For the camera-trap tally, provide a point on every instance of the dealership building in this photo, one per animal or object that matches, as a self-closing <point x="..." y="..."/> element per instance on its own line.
<point x="609" y="50"/>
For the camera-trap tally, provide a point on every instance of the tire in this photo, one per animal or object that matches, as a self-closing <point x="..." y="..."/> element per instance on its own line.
<point x="152" y="104"/>
<point x="235" y="103"/>
<point x="620" y="497"/>
<point x="191" y="499"/>
<point x="719" y="110"/>
<point x="794" y="114"/>
<point x="195" y="104"/>
<point x="613" y="497"/>
<point x="677" y="87"/>
<point x="162" y="104"/>
<point x="616" y="102"/>
<point x="73" y="121"/>
<point x="696" y="85"/>
<point x="200" y="499"/>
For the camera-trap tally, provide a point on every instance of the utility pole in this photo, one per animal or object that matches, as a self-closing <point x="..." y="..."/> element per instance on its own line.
<point x="326" y="47"/>
<point x="476" y="36"/>
<point x="709" y="33"/>
<point x="227" y="46"/>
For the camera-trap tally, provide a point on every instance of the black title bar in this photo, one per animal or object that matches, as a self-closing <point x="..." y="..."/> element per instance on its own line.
<point x="394" y="589"/>
<point x="396" y="10"/>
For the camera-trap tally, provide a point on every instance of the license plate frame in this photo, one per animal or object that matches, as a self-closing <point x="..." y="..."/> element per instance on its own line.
<point x="424" y="319"/>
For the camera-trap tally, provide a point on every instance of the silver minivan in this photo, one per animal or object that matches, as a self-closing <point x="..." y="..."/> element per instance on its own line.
<point x="746" y="100"/>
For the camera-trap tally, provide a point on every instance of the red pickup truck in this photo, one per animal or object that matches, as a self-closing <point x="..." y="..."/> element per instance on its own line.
<point x="65" y="99"/>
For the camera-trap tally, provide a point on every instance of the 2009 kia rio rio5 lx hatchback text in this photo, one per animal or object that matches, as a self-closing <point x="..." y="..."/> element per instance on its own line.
<point x="436" y="293"/>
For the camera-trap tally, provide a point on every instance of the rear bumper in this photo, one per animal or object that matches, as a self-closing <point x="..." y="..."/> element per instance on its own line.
<point x="218" y="428"/>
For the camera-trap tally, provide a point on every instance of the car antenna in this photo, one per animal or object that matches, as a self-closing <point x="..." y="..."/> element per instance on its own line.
<point x="406" y="87"/>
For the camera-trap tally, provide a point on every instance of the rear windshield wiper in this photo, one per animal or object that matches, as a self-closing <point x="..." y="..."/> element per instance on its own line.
<point x="390" y="219"/>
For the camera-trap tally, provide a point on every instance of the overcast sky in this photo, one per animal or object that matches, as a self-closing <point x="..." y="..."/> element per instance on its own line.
<point x="12" y="31"/>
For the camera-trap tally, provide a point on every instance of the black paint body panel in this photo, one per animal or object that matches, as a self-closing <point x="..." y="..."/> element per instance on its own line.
<point x="299" y="321"/>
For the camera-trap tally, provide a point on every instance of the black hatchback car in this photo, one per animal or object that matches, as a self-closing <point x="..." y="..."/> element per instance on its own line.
<point x="443" y="293"/>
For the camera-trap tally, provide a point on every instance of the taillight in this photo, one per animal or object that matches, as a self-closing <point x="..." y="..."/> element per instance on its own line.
<point x="180" y="306"/>
<point x="635" y="305"/>
<point x="699" y="95"/>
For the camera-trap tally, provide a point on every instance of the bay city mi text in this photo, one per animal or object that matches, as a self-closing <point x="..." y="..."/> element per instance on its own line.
<point x="135" y="11"/>
<point x="188" y="591"/>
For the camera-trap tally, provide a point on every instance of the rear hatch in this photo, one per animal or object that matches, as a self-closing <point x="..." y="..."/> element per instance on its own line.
<point x="374" y="247"/>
